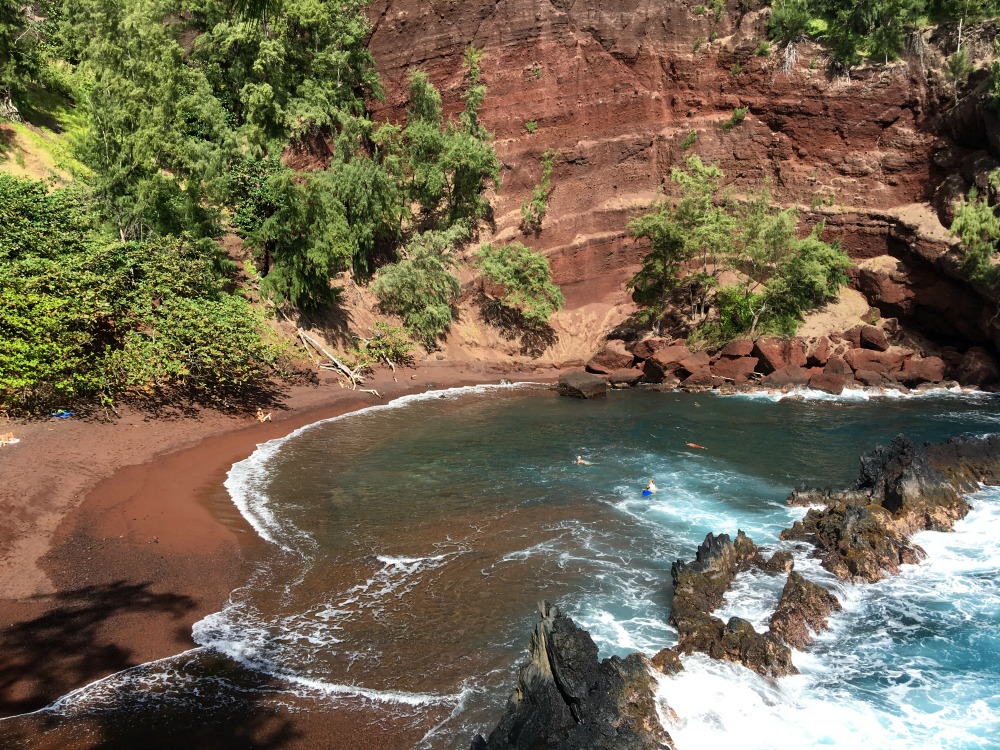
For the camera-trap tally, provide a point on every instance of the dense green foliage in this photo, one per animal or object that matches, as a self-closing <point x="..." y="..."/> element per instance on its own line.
<point x="420" y="289"/>
<point x="701" y="233"/>
<point x="524" y="280"/>
<point x="533" y="210"/>
<point x="183" y="112"/>
<point x="978" y="227"/>
<point x="19" y="59"/>
<point x="867" y="29"/>
<point x="84" y="317"/>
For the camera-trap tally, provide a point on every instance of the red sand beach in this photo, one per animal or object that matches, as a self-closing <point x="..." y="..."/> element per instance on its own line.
<point x="118" y="535"/>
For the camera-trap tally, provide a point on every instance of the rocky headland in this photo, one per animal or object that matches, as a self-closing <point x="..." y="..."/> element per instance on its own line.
<point x="567" y="700"/>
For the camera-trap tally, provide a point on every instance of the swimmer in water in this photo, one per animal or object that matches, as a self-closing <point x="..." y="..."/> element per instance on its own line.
<point x="581" y="460"/>
<point x="651" y="487"/>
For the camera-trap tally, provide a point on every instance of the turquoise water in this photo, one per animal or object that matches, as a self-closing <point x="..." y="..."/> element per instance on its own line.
<point x="410" y="544"/>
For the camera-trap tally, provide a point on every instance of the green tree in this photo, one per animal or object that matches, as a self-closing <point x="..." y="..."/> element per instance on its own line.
<point x="20" y="61"/>
<point x="158" y="142"/>
<point x="523" y="280"/>
<point x="304" y="73"/>
<point x="701" y="232"/>
<point x="978" y="227"/>
<point x="421" y="288"/>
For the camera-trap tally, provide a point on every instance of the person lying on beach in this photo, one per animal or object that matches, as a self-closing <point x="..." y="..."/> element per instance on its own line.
<point x="262" y="417"/>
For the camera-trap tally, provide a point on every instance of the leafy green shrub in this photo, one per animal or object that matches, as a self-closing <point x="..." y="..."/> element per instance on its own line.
<point x="524" y="280"/>
<point x="689" y="140"/>
<point x="84" y="318"/>
<point x="534" y="209"/>
<point x="739" y="115"/>
<point x="420" y="288"/>
<point x="763" y="48"/>
<point x="531" y="126"/>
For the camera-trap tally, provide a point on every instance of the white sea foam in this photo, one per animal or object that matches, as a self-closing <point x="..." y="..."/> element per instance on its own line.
<point x="859" y="394"/>
<point x="884" y="675"/>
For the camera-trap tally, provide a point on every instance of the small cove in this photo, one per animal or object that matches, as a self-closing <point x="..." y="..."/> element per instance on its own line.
<point x="411" y="543"/>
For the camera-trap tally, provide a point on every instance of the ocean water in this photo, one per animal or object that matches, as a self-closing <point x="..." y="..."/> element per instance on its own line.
<point x="409" y="544"/>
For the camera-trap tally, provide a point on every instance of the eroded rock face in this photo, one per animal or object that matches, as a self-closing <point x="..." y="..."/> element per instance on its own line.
<point x="567" y="700"/>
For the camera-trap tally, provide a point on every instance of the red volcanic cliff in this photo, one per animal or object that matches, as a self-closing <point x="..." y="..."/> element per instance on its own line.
<point x="617" y="87"/>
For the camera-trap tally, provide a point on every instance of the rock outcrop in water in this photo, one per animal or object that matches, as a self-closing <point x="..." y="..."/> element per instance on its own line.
<point x="863" y="532"/>
<point x="699" y="588"/>
<point x="804" y="609"/>
<point x="580" y="384"/>
<point x="566" y="699"/>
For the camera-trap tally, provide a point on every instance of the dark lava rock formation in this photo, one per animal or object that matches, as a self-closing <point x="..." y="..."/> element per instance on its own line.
<point x="699" y="588"/>
<point x="863" y="532"/>
<point x="566" y="699"/>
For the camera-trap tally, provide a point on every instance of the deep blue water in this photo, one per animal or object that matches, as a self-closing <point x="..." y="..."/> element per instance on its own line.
<point x="410" y="543"/>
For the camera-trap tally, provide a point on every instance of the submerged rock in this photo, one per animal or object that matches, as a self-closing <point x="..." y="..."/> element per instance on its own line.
<point x="567" y="700"/>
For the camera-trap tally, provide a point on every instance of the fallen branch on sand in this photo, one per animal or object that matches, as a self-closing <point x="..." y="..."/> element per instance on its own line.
<point x="336" y="364"/>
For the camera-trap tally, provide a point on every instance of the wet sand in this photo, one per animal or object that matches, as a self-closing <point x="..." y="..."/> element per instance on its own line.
<point x="118" y="536"/>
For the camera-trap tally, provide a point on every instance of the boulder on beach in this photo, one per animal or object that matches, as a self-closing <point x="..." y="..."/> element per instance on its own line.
<point x="612" y="356"/>
<point x="579" y="384"/>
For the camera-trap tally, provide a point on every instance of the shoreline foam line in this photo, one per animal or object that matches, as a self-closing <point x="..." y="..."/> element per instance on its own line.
<point x="245" y="476"/>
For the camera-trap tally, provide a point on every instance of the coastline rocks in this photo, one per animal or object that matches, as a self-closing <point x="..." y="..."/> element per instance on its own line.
<point x="737" y="369"/>
<point x="977" y="367"/>
<point x="855" y="542"/>
<point x="645" y="348"/>
<point x="788" y="376"/>
<point x="863" y="533"/>
<point x="664" y="362"/>
<point x="699" y="589"/>
<point x="861" y="356"/>
<point x="613" y="356"/>
<point x="566" y="700"/>
<point x="624" y="378"/>
<point x="967" y="461"/>
<point x="580" y="384"/>
<point x="804" y="606"/>
<point x="776" y="352"/>
<point x="901" y="478"/>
